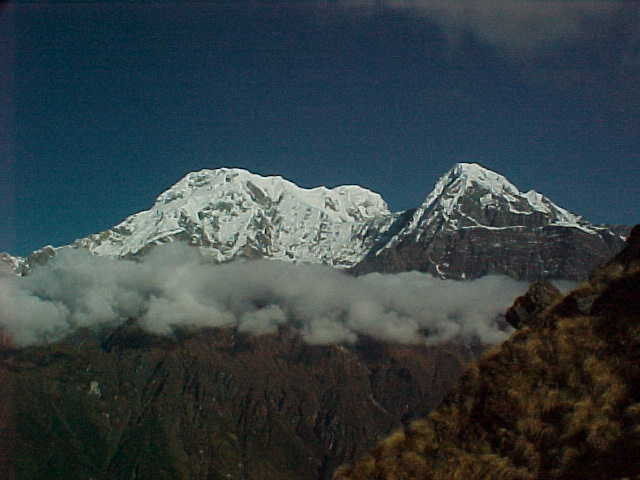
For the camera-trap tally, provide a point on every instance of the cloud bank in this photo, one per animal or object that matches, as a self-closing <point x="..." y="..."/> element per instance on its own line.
<point x="514" y="25"/>
<point x="174" y="286"/>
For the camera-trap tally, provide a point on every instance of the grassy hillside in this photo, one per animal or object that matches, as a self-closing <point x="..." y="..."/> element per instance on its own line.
<point x="559" y="400"/>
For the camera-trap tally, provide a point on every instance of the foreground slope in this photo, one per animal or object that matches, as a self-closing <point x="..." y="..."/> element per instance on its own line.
<point x="559" y="400"/>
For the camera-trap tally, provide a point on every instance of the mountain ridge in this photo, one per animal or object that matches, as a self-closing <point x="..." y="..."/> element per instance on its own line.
<point x="230" y="213"/>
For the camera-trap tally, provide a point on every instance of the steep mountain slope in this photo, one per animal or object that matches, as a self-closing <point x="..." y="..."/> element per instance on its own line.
<point x="558" y="400"/>
<point x="208" y="405"/>
<point x="476" y="222"/>
<point x="230" y="212"/>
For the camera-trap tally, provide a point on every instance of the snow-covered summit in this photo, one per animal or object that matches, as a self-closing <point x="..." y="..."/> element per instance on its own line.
<point x="464" y="178"/>
<point x="467" y="175"/>
<point x="471" y="196"/>
<point x="347" y="202"/>
<point x="229" y="212"/>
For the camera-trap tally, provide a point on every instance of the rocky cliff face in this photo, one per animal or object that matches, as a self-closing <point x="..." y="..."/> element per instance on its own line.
<point x="528" y="308"/>
<point x="208" y="405"/>
<point x="476" y="222"/>
<point x="557" y="400"/>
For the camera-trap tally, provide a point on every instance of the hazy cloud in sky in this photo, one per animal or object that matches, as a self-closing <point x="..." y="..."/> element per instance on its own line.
<point x="175" y="286"/>
<point x="517" y="26"/>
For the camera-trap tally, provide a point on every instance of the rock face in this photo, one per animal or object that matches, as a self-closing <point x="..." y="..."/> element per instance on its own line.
<point x="210" y="405"/>
<point x="557" y="400"/>
<point x="526" y="309"/>
<point x="627" y="260"/>
<point x="476" y="222"/>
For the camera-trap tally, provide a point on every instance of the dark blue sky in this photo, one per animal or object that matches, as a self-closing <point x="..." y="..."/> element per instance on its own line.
<point x="107" y="104"/>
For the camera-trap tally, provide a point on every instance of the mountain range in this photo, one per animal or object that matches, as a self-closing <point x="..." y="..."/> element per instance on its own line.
<point x="116" y="400"/>
<point x="474" y="222"/>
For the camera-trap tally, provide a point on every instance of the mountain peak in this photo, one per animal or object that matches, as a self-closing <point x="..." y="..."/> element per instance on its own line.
<point x="464" y="176"/>
<point x="476" y="173"/>
<point x="469" y="186"/>
<point x="475" y="221"/>
<point x="472" y="169"/>
<point x="231" y="212"/>
<point x="233" y="182"/>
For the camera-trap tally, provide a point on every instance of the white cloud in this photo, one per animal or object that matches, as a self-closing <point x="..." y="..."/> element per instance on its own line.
<point x="174" y="286"/>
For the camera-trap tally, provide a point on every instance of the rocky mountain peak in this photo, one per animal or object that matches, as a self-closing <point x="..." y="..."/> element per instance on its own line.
<point x="471" y="196"/>
<point x="476" y="222"/>
<point x="22" y="265"/>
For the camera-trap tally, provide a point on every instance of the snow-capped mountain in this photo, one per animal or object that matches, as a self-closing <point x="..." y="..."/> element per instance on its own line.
<point x="231" y="212"/>
<point x="476" y="222"/>
<point x="470" y="196"/>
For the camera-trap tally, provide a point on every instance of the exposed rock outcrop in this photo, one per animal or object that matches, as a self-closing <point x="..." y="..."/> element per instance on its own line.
<point x="526" y="309"/>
